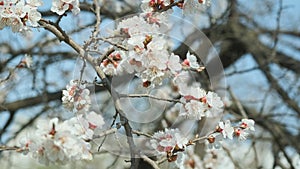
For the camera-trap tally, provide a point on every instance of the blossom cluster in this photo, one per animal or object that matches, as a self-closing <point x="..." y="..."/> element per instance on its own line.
<point x="76" y="97"/>
<point x="19" y="14"/>
<point x="172" y="144"/>
<point x="197" y="103"/>
<point x="61" y="6"/>
<point x="169" y="142"/>
<point x="147" y="56"/>
<point x="110" y="65"/>
<point x="188" y="6"/>
<point x="57" y="142"/>
<point x="147" y="51"/>
<point x="228" y="131"/>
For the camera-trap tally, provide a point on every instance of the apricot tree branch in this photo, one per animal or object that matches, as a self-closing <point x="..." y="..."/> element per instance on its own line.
<point x="149" y="161"/>
<point x="61" y="35"/>
<point x="149" y="96"/>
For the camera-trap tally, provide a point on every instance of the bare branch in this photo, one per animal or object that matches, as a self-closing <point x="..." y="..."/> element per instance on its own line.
<point x="149" y="161"/>
<point x="238" y="103"/>
<point x="149" y="96"/>
<point x="63" y="37"/>
<point x="105" y="133"/>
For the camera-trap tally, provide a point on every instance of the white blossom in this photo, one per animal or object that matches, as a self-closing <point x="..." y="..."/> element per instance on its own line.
<point x="153" y="75"/>
<point x="197" y="103"/>
<point x="57" y="143"/>
<point x="45" y="127"/>
<point x="191" y="61"/>
<point x="213" y="100"/>
<point x="226" y="129"/>
<point x="193" y="92"/>
<point x="54" y="153"/>
<point x="195" y="6"/>
<point x="95" y="120"/>
<point x="158" y="59"/>
<point x="174" y="63"/>
<point x="76" y="97"/>
<point x="136" y="40"/>
<point x="242" y="134"/>
<point x="61" y="6"/>
<point x="215" y="104"/>
<point x="35" y="3"/>
<point x="17" y="14"/>
<point x="33" y="17"/>
<point x="158" y="18"/>
<point x="244" y="129"/>
<point x="248" y="124"/>
<point x="181" y="80"/>
<point x="80" y="127"/>
<point x="115" y="64"/>
<point x="193" y="109"/>
<point x="154" y="5"/>
<point x="165" y="141"/>
<point x="109" y="69"/>
<point x="136" y="25"/>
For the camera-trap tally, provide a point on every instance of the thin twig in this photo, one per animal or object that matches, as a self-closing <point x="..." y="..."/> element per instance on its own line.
<point x="162" y="160"/>
<point x="107" y="53"/>
<point x="235" y="163"/>
<point x="113" y="43"/>
<point x="200" y="138"/>
<point x="141" y="133"/>
<point x="276" y="32"/>
<point x="7" y="148"/>
<point x="149" y="96"/>
<point x="238" y="104"/>
<point x="10" y="74"/>
<point x="105" y="133"/>
<point x="169" y="6"/>
<point x="149" y="161"/>
<point x="242" y="71"/>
